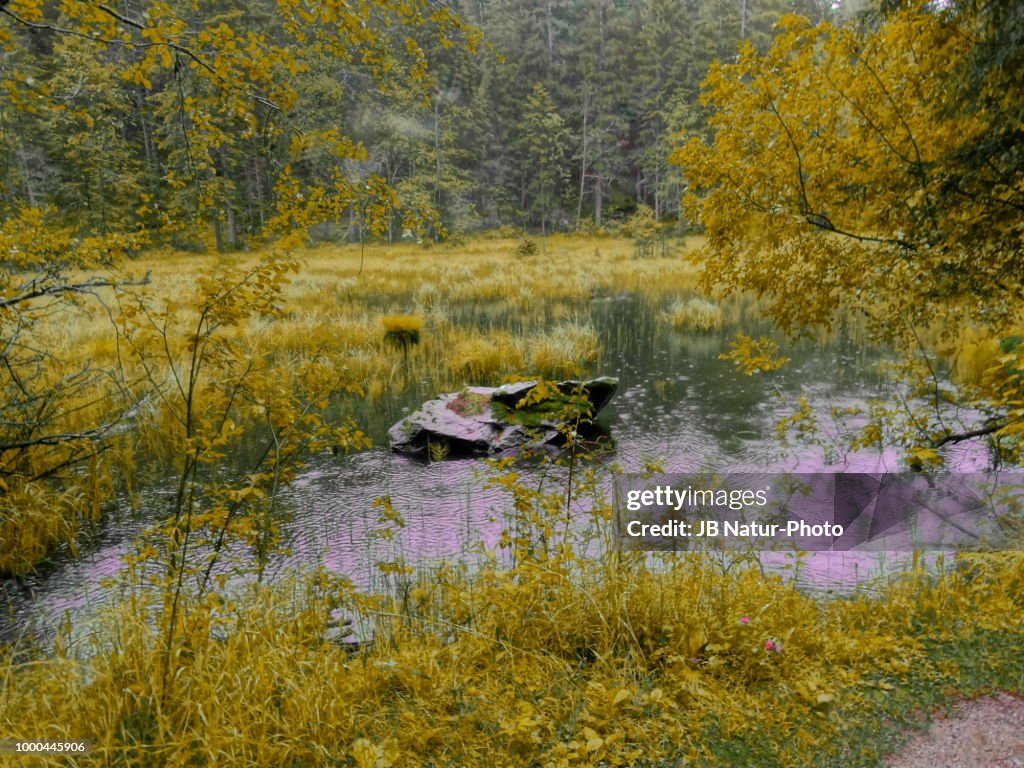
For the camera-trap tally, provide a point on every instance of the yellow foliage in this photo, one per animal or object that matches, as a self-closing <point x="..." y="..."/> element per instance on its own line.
<point x="974" y="355"/>
<point x="884" y="230"/>
<point x="591" y="662"/>
<point x="754" y="356"/>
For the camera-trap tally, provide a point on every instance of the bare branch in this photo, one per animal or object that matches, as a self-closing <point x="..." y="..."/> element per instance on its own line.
<point x="55" y="439"/>
<point x="38" y="288"/>
<point x="958" y="437"/>
<point x="822" y="221"/>
<point x="123" y="19"/>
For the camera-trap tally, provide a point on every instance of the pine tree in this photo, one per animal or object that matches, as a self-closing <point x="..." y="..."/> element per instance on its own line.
<point x="543" y="141"/>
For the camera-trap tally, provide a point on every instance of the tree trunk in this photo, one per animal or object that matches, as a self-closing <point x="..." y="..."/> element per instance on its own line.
<point x="218" y="233"/>
<point x="232" y="230"/>
<point x="543" y="212"/>
<point x="27" y="179"/>
<point x="598" y="199"/>
<point x="260" y="207"/>
<point x="657" y="192"/>
<point x="147" y="141"/>
<point x="551" y="34"/>
<point x="437" y="154"/>
<point x="583" y="162"/>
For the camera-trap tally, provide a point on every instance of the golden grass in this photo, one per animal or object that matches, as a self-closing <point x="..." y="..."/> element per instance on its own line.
<point x="695" y="312"/>
<point x="529" y="319"/>
<point x="34" y="520"/>
<point x="329" y="306"/>
<point x="484" y="359"/>
<point x="562" y="351"/>
<point x="557" y="663"/>
<point x="329" y="309"/>
<point x="609" y="661"/>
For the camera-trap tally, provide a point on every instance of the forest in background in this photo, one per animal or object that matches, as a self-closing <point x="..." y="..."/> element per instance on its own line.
<point x="562" y="118"/>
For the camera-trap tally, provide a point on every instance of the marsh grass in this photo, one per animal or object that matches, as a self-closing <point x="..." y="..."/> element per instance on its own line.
<point x="482" y="313"/>
<point x="560" y="661"/>
<point x="564" y="350"/>
<point x="696" y="312"/>
<point x="486" y="358"/>
<point x="555" y="648"/>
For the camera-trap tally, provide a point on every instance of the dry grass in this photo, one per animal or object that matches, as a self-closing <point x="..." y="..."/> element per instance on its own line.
<point x="695" y="312"/>
<point x="558" y="663"/>
<point x="484" y="359"/>
<point x="564" y="350"/>
<point x="525" y="310"/>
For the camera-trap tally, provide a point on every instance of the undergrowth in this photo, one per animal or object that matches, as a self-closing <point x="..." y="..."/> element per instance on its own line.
<point x="557" y="662"/>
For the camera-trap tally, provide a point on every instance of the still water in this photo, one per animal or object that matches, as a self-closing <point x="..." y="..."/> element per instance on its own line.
<point x="677" y="402"/>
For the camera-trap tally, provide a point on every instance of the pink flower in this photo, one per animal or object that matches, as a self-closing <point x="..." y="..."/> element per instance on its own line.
<point x="744" y="619"/>
<point x="768" y="644"/>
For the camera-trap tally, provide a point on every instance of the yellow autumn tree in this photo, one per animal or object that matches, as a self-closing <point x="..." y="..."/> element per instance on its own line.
<point x="220" y="87"/>
<point x="874" y="167"/>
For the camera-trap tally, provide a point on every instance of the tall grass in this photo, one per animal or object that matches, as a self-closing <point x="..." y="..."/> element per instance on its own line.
<point x="695" y="312"/>
<point x="562" y="351"/>
<point x="558" y="662"/>
<point x="577" y="655"/>
<point x="525" y="321"/>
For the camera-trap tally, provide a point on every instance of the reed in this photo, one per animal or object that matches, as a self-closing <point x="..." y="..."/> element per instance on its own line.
<point x="558" y="662"/>
<point x="478" y="312"/>
<point x="694" y="313"/>
<point x="563" y="351"/>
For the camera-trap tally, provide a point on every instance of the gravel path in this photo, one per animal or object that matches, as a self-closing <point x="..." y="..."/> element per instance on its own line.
<point x="981" y="733"/>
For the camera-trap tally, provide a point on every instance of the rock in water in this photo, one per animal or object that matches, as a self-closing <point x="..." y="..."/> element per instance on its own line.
<point x="485" y="420"/>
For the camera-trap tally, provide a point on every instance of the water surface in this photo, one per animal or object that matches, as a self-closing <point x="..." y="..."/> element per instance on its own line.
<point x="677" y="403"/>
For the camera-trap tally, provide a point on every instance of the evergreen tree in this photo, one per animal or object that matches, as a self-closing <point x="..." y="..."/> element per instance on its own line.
<point x="543" y="142"/>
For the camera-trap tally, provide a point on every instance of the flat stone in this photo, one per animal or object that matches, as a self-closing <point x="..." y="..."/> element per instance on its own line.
<point x="485" y="420"/>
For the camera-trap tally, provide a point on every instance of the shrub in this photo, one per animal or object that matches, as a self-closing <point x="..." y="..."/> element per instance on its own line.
<point x="402" y="330"/>
<point x="527" y="247"/>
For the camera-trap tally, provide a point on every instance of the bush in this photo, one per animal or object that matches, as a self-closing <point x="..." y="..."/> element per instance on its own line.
<point x="402" y="330"/>
<point x="527" y="247"/>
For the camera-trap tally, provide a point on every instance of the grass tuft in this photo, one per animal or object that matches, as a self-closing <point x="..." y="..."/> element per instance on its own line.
<point x="562" y="351"/>
<point x="702" y="314"/>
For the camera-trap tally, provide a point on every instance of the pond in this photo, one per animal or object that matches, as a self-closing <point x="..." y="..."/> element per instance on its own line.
<point x="677" y="403"/>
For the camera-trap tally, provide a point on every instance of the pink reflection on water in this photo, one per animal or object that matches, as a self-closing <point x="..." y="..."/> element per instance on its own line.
<point x="448" y="512"/>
